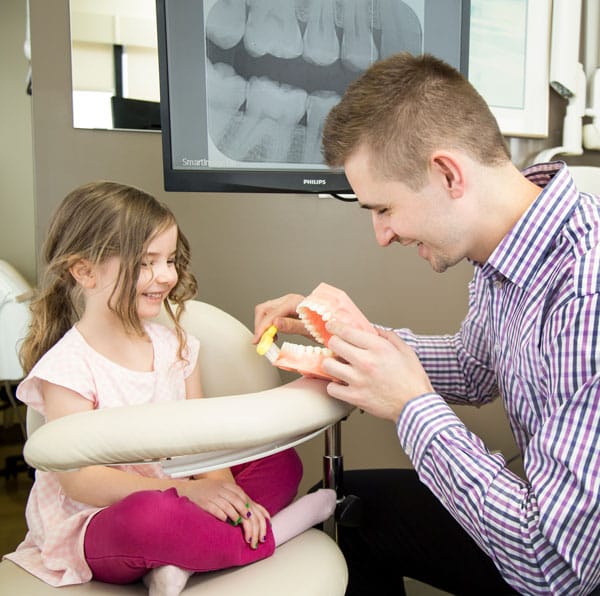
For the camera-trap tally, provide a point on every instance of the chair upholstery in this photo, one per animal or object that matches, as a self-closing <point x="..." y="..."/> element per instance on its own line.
<point x="310" y="564"/>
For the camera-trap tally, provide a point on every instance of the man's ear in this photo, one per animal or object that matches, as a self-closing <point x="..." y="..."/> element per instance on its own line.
<point x="449" y="170"/>
<point x="83" y="273"/>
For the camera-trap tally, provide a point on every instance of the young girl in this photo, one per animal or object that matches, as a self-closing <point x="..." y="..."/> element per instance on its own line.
<point x="115" y="256"/>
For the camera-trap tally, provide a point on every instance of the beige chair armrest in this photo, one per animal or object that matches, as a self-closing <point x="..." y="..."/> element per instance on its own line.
<point x="144" y="433"/>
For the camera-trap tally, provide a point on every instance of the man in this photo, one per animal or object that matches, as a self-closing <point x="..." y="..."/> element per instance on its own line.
<point x="424" y="155"/>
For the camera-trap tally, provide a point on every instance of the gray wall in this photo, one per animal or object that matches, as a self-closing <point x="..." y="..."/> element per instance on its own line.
<point x="17" y="245"/>
<point x="247" y="248"/>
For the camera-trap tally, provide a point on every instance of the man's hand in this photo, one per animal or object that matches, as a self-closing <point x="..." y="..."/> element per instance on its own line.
<point x="280" y="312"/>
<point x="379" y="373"/>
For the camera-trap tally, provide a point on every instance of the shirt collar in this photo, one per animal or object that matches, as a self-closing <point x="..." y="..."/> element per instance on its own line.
<point x="522" y="251"/>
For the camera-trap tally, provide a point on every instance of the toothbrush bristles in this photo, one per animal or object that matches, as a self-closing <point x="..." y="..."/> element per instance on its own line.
<point x="272" y="353"/>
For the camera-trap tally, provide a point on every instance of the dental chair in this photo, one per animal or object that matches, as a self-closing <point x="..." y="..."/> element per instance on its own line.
<point x="251" y="415"/>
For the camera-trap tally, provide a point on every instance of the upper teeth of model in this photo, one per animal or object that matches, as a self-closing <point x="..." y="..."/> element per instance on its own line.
<point x="325" y="315"/>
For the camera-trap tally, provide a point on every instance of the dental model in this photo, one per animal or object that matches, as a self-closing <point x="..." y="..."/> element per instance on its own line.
<point x="323" y="304"/>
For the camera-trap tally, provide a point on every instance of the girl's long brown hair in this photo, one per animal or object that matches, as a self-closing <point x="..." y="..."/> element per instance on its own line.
<point x="95" y="222"/>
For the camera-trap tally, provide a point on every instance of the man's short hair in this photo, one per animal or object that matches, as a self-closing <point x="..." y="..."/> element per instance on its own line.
<point x="405" y="107"/>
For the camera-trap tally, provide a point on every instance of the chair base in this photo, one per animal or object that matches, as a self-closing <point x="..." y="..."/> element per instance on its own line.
<point x="309" y="564"/>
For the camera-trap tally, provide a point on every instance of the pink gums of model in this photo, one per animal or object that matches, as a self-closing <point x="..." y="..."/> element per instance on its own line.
<point x="324" y="303"/>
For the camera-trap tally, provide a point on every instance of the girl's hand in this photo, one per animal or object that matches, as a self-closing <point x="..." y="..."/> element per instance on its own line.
<point x="229" y="503"/>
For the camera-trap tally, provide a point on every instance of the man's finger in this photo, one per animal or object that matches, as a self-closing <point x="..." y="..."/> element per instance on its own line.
<point x="393" y="338"/>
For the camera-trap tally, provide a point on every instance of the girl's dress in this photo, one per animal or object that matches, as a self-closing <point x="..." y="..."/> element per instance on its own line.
<point x="53" y="547"/>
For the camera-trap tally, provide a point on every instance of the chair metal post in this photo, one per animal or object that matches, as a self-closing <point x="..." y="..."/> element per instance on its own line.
<point x="333" y="470"/>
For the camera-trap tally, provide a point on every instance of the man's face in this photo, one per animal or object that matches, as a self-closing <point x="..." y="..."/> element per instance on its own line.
<point x="425" y="218"/>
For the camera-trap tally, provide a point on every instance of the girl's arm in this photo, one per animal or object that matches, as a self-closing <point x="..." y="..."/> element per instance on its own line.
<point x="193" y="383"/>
<point x="193" y="390"/>
<point x="255" y="526"/>
<point x="101" y="486"/>
<point x="95" y="485"/>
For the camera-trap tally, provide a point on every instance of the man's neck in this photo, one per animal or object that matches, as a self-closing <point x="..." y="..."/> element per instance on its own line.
<point x="505" y="195"/>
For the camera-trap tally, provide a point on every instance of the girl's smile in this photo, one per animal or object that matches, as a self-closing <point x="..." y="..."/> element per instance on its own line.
<point x="158" y="274"/>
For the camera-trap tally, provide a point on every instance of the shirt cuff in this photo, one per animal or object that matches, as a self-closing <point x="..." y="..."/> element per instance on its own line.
<point x="406" y="335"/>
<point x="420" y="420"/>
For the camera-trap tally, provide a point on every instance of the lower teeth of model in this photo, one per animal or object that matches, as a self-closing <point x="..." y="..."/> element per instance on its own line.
<point x="301" y="350"/>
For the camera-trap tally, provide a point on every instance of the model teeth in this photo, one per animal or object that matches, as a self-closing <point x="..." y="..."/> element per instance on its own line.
<point x="313" y="306"/>
<point x="316" y="335"/>
<point x="301" y="350"/>
<point x="320" y="310"/>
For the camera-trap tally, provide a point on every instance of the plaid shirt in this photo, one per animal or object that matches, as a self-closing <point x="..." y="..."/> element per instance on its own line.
<point x="532" y="335"/>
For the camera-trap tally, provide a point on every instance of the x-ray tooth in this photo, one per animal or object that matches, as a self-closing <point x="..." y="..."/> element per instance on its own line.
<point x="226" y="23"/>
<point x="339" y="13"/>
<point x="321" y="45"/>
<point x="272" y="28"/>
<point x="358" y="47"/>
<point x="318" y="105"/>
<point x="266" y="129"/>
<point x="274" y="100"/>
<point x="262" y="120"/>
<point x="227" y="96"/>
<point x="400" y="28"/>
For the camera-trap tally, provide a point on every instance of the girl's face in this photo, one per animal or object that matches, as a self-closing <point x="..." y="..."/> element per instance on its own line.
<point x="158" y="275"/>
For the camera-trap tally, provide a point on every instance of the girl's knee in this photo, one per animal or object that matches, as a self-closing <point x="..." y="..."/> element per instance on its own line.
<point x="292" y="465"/>
<point x="286" y="474"/>
<point x="144" y="508"/>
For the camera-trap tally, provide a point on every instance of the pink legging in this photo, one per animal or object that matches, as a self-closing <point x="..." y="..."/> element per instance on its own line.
<point x="153" y="528"/>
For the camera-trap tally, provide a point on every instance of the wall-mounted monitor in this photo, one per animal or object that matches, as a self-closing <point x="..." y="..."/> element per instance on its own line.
<point x="246" y="85"/>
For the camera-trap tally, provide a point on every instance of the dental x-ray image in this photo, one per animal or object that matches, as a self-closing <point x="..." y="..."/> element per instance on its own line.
<point x="246" y="85"/>
<point x="274" y="68"/>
